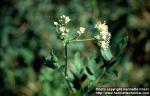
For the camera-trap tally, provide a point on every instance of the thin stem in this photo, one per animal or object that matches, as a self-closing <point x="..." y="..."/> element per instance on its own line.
<point x="67" y="81"/>
<point x="69" y="86"/>
<point x="66" y="63"/>
<point x="82" y="40"/>
<point x="66" y="59"/>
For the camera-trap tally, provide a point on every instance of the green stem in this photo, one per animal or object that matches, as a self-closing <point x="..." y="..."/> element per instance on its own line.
<point x="67" y="81"/>
<point x="66" y="59"/>
<point x="66" y="63"/>
<point x="69" y="86"/>
<point x="82" y="40"/>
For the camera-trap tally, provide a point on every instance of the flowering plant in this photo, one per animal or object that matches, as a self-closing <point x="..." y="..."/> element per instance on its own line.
<point x="91" y="73"/>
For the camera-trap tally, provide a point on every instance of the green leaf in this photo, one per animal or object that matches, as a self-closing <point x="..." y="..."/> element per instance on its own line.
<point x="70" y="75"/>
<point x="52" y="62"/>
<point x="120" y="42"/>
<point x="93" y="70"/>
<point x="92" y="64"/>
<point x="123" y="43"/>
<point x="78" y="64"/>
<point x="53" y="57"/>
<point x="106" y="53"/>
<point x="109" y="64"/>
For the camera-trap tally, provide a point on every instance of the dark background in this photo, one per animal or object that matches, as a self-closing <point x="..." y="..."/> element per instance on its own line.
<point x="27" y="34"/>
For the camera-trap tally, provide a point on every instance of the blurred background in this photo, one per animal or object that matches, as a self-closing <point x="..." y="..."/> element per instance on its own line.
<point x="27" y="35"/>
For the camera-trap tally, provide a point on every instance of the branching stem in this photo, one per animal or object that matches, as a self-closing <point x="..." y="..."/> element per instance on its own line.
<point x="66" y="60"/>
<point x="78" y="40"/>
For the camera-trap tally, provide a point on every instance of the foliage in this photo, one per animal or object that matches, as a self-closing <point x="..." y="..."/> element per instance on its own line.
<point x="27" y="35"/>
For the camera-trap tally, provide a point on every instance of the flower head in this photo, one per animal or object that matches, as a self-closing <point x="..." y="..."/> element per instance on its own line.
<point x="103" y="36"/>
<point x="101" y="26"/>
<point x="61" y="27"/>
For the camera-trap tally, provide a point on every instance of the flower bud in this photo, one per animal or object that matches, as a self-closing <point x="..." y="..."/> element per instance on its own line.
<point x="55" y="23"/>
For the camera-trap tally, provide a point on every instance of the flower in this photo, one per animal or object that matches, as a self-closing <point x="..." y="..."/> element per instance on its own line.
<point x="103" y="36"/>
<point x="104" y="44"/>
<point x="63" y="34"/>
<point x="101" y="26"/>
<point x="97" y="37"/>
<point x="81" y="30"/>
<point x="62" y="29"/>
<point x="55" y="23"/>
<point x="67" y="30"/>
<point x="65" y="18"/>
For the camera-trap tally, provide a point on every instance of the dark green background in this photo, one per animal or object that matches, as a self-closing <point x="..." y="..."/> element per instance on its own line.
<point x="27" y="35"/>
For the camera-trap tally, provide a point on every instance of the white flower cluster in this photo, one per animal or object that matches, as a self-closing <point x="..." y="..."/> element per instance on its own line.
<point x="103" y="36"/>
<point x="62" y="30"/>
<point x="65" y="18"/>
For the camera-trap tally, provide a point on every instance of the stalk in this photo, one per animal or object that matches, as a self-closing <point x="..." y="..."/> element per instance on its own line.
<point x="66" y="59"/>
<point x="78" y="40"/>
<point x="66" y="63"/>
